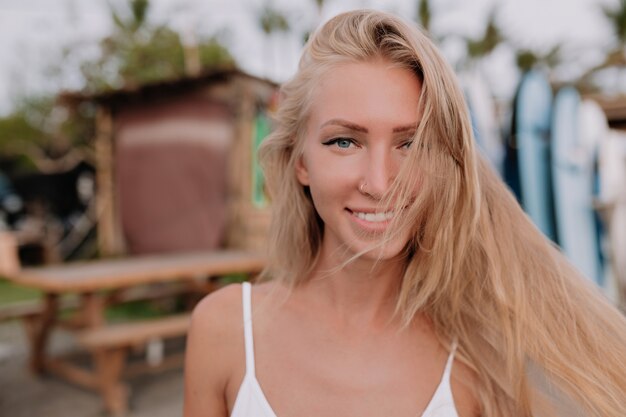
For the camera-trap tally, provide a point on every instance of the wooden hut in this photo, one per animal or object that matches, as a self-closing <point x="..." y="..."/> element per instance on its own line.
<point x="176" y="163"/>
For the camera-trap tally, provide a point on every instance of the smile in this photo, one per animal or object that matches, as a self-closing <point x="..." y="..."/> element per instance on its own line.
<point x="374" y="217"/>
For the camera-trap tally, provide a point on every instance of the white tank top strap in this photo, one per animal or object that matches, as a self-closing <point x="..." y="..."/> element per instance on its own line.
<point x="247" y="327"/>
<point x="448" y="369"/>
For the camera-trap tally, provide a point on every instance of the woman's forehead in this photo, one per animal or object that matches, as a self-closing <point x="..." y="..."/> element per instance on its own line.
<point x="364" y="93"/>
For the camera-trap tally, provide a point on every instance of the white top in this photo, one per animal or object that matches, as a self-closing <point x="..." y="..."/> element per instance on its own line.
<point x="251" y="401"/>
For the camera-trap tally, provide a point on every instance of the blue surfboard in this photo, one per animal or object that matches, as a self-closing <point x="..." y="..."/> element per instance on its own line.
<point x="573" y="175"/>
<point x="533" y="107"/>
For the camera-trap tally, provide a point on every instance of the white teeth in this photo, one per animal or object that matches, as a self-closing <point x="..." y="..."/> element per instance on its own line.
<point x="374" y="217"/>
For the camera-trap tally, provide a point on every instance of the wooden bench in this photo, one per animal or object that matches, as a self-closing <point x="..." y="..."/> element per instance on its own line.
<point x="110" y="345"/>
<point x="30" y="308"/>
<point x="99" y="284"/>
<point x="19" y="310"/>
<point x="30" y="311"/>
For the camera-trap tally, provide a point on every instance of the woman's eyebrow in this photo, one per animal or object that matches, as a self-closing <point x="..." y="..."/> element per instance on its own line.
<point x="359" y="128"/>
<point x="346" y="124"/>
<point x="407" y="128"/>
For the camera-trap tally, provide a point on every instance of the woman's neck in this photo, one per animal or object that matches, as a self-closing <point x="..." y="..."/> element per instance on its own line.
<point x="359" y="292"/>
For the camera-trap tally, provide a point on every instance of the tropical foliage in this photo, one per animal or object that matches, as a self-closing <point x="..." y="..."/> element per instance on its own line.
<point x="139" y="52"/>
<point x="492" y="37"/>
<point x="136" y="52"/>
<point x="527" y="59"/>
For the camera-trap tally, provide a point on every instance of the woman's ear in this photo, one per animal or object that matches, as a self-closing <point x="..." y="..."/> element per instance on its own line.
<point x="302" y="173"/>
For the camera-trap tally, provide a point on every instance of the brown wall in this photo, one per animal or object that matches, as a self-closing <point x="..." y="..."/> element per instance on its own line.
<point x="171" y="174"/>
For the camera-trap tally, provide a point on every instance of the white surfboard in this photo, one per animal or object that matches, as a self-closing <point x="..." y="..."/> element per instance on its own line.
<point x="484" y="119"/>
<point x="573" y="152"/>
<point x="612" y="196"/>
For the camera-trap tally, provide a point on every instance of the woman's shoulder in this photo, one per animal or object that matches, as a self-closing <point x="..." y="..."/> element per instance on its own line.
<point x="214" y="351"/>
<point x="222" y="306"/>
<point x="219" y="315"/>
<point x="216" y="324"/>
<point x="218" y="308"/>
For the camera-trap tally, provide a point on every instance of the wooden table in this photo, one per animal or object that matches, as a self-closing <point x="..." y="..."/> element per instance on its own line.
<point x="101" y="283"/>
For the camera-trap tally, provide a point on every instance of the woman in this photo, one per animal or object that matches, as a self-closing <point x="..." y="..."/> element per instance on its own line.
<point x="405" y="279"/>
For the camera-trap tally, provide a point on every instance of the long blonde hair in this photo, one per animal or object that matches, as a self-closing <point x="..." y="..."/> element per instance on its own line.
<point x="539" y="338"/>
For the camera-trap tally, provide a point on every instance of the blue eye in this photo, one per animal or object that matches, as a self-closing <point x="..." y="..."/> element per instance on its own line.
<point x="407" y="144"/>
<point x="343" y="143"/>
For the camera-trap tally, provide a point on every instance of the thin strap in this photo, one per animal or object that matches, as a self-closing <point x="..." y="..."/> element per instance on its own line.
<point x="247" y="328"/>
<point x="447" y="371"/>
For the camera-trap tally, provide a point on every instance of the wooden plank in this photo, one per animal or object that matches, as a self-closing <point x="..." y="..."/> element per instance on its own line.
<point x="172" y="361"/>
<point x="126" y="272"/>
<point x="151" y="292"/>
<point x="25" y="309"/>
<point x="20" y="310"/>
<point x="31" y="308"/>
<point x="134" y="333"/>
<point x="72" y="373"/>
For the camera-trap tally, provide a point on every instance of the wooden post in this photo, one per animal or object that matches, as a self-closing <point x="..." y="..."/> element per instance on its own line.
<point x="109" y="236"/>
<point x="9" y="260"/>
<point x="109" y="367"/>
<point x="240" y="163"/>
<point x="92" y="309"/>
<point x="38" y="329"/>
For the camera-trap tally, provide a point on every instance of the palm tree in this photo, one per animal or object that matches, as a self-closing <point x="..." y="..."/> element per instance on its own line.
<point x="527" y="59"/>
<point x="319" y="4"/>
<point x="492" y="37"/>
<point x="616" y="57"/>
<point x="139" y="52"/>
<point x="423" y="14"/>
<point x="139" y="12"/>
<point x="272" y="21"/>
<point x="617" y="17"/>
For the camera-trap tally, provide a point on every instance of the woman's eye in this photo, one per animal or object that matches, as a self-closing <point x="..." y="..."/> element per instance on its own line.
<point x="343" y="143"/>
<point x="407" y="144"/>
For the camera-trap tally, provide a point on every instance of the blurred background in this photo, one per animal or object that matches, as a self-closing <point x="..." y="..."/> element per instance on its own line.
<point x="129" y="127"/>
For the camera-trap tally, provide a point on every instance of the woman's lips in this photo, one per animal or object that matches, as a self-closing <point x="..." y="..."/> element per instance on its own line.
<point x="370" y="221"/>
<point x="376" y="217"/>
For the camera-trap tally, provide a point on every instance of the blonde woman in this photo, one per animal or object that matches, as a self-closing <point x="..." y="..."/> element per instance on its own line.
<point x="404" y="279"/>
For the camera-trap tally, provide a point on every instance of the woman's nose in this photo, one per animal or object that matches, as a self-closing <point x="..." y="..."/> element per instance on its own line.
<point x="379" y="172"/>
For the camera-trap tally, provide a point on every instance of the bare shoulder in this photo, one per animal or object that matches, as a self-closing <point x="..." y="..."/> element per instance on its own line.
<point x="216" y="323"/>
<point x="214" y="351"/>
<point x="463" y="383"/>
<point x="216" y="310"/>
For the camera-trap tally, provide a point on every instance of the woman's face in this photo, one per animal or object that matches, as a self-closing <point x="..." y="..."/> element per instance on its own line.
<point x="362" y="120"/>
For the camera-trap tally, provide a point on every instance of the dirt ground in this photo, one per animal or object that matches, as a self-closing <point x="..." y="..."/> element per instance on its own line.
<point x="24" y="395"/>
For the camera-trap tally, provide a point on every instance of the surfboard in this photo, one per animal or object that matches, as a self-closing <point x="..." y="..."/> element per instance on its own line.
<point x="574" y="140"/>
<point x="484" y="119"/>
<point x="594" y="129"/>
<point x="510" y="164"/>
<point x="533" y="118"/>
<point x="612" y="196"/>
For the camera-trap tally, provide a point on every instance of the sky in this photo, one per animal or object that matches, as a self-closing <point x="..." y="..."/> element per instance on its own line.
<point x="34" y="33"/>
